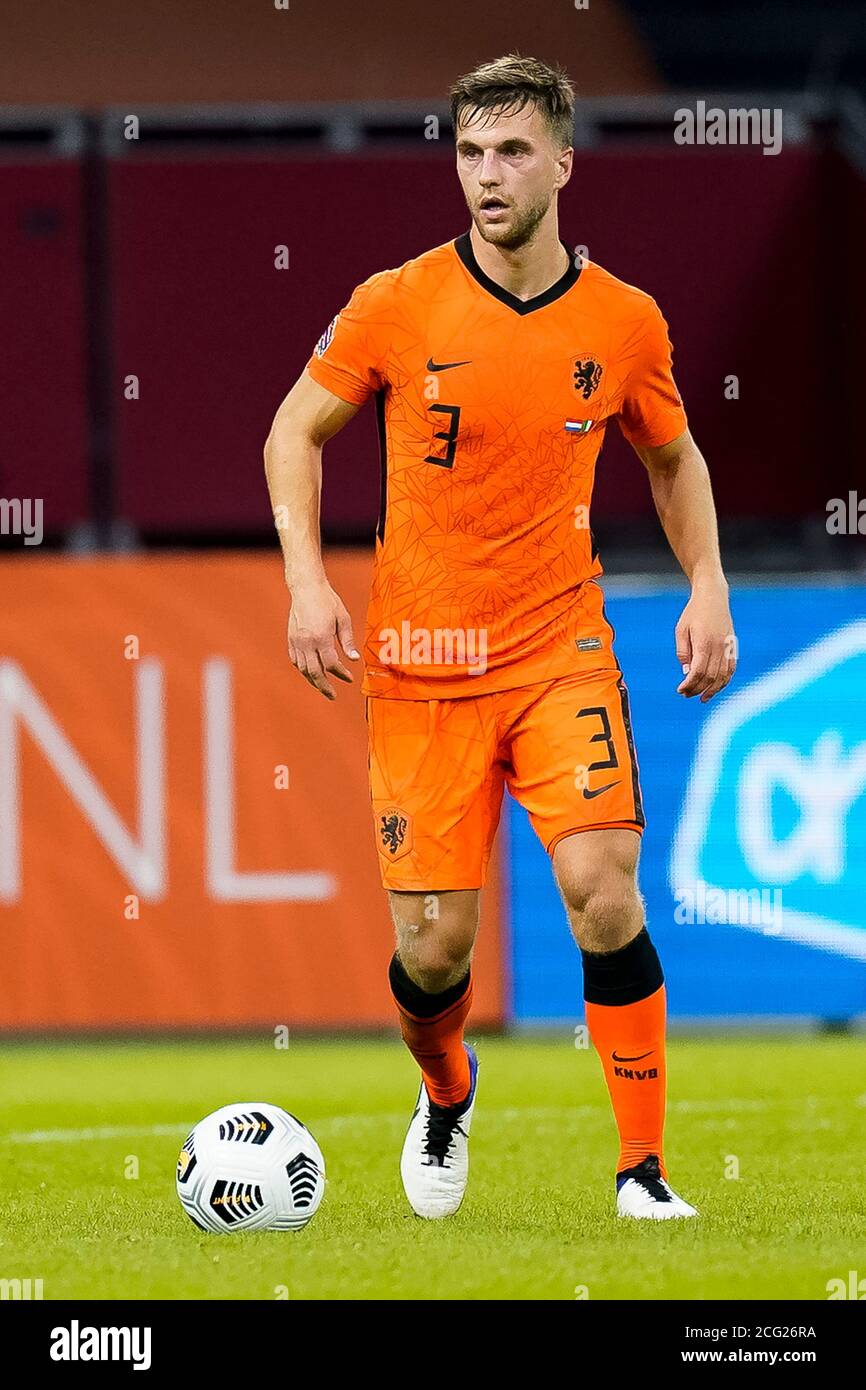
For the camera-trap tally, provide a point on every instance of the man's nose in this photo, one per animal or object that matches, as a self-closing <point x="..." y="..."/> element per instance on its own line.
<point x="489" y="171"/>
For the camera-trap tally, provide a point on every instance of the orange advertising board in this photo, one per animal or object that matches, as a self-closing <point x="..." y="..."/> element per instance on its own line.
<point x="185" y="829"/>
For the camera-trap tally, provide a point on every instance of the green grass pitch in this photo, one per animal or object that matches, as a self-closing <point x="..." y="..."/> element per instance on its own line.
<point x="537" y="1222"/>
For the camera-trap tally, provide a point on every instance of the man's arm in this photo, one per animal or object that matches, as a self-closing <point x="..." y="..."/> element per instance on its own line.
<point x="706" y="646"/>
<point x="308" y="417"/>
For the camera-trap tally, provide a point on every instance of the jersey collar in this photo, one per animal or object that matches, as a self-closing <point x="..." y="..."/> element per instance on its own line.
<point x="571" y="275"/>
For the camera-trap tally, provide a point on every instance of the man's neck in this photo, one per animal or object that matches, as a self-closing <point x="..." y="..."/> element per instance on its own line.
<point x="525" y="271"/>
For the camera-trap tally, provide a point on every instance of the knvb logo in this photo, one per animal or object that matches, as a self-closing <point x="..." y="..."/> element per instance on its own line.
<point x="22" y="516"/>
<point x="396" y="839"/>
<point x="623" y="1067"/>
<point x="586" y="377"/>
<point x="392" y="828"/>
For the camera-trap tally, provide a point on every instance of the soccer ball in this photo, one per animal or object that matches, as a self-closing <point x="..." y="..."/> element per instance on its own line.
<point x="250" y="1167"/>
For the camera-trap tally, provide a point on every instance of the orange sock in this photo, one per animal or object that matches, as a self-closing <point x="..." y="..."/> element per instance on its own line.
<point x="625" y="1013"/>
<point x="432" y="1027"/>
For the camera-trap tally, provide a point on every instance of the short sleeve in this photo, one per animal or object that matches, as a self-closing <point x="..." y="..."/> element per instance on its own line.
<point x="349" y="357"/>
<point x="652" y="410"/>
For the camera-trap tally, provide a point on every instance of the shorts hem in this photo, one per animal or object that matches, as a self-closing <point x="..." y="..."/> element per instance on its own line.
<point x="440" y="887"/>
<point x="601" y="825"/>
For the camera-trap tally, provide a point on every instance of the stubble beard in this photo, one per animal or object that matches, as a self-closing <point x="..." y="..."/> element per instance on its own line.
<point x="520" y="231"/>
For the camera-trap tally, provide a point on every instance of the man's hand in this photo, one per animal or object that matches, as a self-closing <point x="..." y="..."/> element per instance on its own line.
<point x="305" y="421"/>
<point x="317" y="622"/>
<point x="706" y="645"/>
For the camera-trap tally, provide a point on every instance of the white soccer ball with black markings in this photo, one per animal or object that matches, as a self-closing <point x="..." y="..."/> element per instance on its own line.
<point x="250" y="1167"/>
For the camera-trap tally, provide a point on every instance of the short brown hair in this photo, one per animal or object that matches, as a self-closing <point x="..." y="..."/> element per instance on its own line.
<point x="512" y="83"/>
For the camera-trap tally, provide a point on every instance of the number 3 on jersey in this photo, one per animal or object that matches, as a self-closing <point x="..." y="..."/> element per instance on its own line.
<point x="447" y="435"/>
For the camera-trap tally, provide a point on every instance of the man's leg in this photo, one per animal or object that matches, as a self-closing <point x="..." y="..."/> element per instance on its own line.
<point x="431" y="983"/>
<point x="624" y="992"/>
<point x="432" y="987"/>
<point x="436" y="794"/>
<point x="575" y="772"/>
<point x="623" y="983"/>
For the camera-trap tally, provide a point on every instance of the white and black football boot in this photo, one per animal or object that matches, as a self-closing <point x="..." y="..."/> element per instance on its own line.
<point x="642" y="1192"/>
<point x="435" y="1162"/>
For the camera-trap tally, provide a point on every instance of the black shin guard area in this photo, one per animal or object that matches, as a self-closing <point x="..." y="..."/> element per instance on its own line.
<point x="625" y="976"/>
<point x="414" y="1000"/>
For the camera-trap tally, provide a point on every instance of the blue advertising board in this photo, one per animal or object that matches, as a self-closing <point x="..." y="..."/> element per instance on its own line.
<point x="753" y="864"/>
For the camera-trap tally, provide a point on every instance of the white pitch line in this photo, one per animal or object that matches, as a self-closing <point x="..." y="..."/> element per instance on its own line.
<point x="97" y="1132"/>
<point x="82" y="1136"/>
<point x="332" y="1124"/>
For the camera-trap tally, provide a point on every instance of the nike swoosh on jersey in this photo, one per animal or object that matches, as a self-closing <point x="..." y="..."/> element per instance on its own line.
<point x="445" y="366"/>
<point x="631" y="1059"/>
<point x="598" y="791"/>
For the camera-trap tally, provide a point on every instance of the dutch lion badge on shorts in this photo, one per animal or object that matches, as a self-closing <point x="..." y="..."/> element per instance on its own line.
<point x="395" y="833"/>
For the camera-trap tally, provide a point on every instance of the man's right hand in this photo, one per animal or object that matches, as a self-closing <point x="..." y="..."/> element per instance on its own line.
<point x="318" y="621"/>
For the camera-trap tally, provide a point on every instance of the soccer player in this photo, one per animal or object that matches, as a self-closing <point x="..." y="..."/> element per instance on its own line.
<point x="496" y="362"/>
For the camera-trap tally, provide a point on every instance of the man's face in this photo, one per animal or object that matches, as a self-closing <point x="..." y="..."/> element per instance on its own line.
<point x="510" y="167"/>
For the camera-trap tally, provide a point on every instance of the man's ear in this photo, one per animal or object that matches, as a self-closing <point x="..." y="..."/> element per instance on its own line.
<point x="565" y="163"/>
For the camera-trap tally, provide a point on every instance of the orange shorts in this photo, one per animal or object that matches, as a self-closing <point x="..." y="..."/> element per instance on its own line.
<point x="438" y="768"/>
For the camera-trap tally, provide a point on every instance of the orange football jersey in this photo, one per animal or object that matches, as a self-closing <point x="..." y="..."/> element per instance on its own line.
<point x="491" y="414"/>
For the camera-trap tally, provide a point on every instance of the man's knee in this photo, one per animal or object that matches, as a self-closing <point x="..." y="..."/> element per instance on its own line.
<point x="598" y="883"/>
<point x="435" y="935"/>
